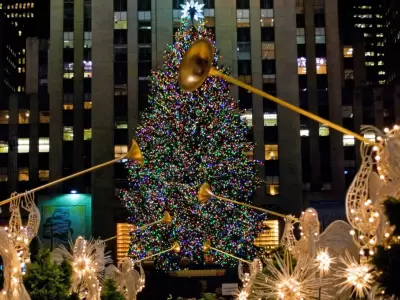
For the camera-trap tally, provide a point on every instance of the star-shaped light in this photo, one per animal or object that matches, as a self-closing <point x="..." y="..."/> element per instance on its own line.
<point x="192" y="10"/>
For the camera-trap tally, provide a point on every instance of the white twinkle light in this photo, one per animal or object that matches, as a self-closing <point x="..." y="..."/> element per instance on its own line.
<point x="192" y="9"/>
<point x="323" y="261"/>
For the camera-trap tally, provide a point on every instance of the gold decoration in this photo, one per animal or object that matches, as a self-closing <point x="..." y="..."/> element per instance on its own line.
<point x="195" y="65"/>
<point x="135" y="154"/>
<point x="205" y="193"/>
<point x="175" y="247"/>
<point x="167" y="218"/>
<point x="206" y="246"/>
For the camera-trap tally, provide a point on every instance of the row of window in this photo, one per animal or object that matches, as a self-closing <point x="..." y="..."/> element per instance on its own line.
<point x="23" y="174"/>
<point x="18" y="5"/>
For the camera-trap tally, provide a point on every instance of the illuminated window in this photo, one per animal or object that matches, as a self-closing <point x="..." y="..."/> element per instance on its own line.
<point x="381" y="63"/>
<point x="243" y="18"/>
<point x="269" y="78"/>
<point x="272" y="185"/>
<point x="23" y="145"/>
<point x="268" y="50"/>
<point x="349" y="74"/>
<point x="320" y="35"/>
<point x="145" y="15"/>
<point x="267" y="18"/>
<point x="245" y="78"/>
<point x="123" y="240"/>
<point x="270" y="119"/>
<point x="68" y="106"/>
<point x="68" y="133"/>
<point x="44" y="117"/>
<point x="19" y="70"/>
<point x="87" y="43"/>
<point x="348" y="140"/>
<point x="3" y="147"/>
<point x="68" y="75"/>
<point x="23" y="116"/>
<point x="348" y="51"/>
<point x="271" y="152"/>
<point x="300" y="36"/>
<point x="4" y="117"/>
<point x="68" y="39"/>
<point x="1" y="5"/>
<point x="23" y="174"/>
<point x="68" y="101"/>
<point x="120" y="150"/>
<point x="269" y="238"/>
<point x="370" y="53"/>
<point x="120" y="20"/>
<point x="87" y="134"/>
<point x="304" y="132"/>
<point x="121" y="124"/>
<point x="120" y="90"/>
<point x="44" y="175"/>
<point x="87" y="105"/>
<point x="320" y="65"/>
<point x="370" y="135"/>
<point x="20" y="33"/>
<point x="323" y="130"/>
<point x="209" y="17"/>
<point x="3" y="172"/>
<point x="44" y="145"/>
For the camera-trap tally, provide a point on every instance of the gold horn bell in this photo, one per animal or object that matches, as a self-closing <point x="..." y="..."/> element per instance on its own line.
<point x="204" y="193"/>
<point x="167" y="218"/>
<point x="135" y="154"/>
<point x="195" y="65"/>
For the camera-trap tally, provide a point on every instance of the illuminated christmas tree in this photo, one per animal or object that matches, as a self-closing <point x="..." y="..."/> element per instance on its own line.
<point x="188" y="139"/>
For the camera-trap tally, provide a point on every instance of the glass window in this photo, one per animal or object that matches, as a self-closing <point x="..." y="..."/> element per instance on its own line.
<point x="270" y="119"/>
<point x="321" y="65"/>
<point x="120" y="90"/>
<point x="144" y="15"/>
<point x="23" y="116"/>
<point x="266" y="4"/>
<point x="3" y="171"/>
<point x="23" y="174"/>
<point x="272" y="185"/>
<point x="87" y="105"/>
<point x="243" y="4"/>
<point x="44" y="175"/>
<point x="69" y="39"/>
<point x="23" y="145"/>
<point x="267" y="18"/>
<point x="243" y="18"/>
<point x="301" y="39"/>
<point x="120" y="150"/>
<point x="323" y="130"/>
<point x="271" y="152"/>
<point x="209" y="17"/>
<point x="348" y="140"/>
<point x="268" y="50"/>
<point x="144" y="5"/>
<point x="320" y="35"/>
<point x="68" y="134"/>
<point x="44" y="145"/>
<point x="120" y="20"/>
<point x="87" y="134"/>
<point x="302" y="65"/>
<point x="349" y="74"/>
<point x="3" y="147"/>
<point x="4" y="116"/>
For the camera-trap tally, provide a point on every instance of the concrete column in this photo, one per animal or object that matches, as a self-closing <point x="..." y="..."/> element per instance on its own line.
<point x="334" y="57"/>
<point x="133" y="104"/>
<point x="13" y="143"/>
<point x="291" y="199"/>
<point x="163" y="28"/>
<point x="258" y="102"/>
<point x="378" y="108"/>
<point x="103" y="116"/>
<point x="78" y="162"/>
<point x="32" y="85"/>
<point x="315" y="159"/>
<point x="359" y="86"/>
<point x="225" y="32"/>
<point x="55" y="88"/>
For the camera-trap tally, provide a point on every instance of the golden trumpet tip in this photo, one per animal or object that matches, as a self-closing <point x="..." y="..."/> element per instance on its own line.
<point x="175" y="247"/>
<point x="204" y="193"/>
<point x="195" y="65"/>
<point x="135" y="154"/>
<point x="167" y="218"/>
<point x="206" y="246"/>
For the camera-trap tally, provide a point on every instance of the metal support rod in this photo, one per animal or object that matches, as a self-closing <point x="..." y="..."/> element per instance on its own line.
<point x="214" y="72"/>
<point x="233" y="256"/>
<point x="254" y="207"/>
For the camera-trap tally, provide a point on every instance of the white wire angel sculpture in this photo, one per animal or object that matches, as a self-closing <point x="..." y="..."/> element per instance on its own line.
<point x="14" y="246"/>
<point x="129" y="281"/>
<point x="88" y="260"/>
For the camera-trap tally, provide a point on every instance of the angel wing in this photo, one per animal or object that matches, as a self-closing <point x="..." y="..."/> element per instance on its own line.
<point x="115" y="274"/>
<point x="337" y="239"/>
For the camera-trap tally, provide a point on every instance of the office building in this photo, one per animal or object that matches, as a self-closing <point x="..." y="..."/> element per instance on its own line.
<point x="87" y="99"/>
<point x="392" y="46"/>
<point x="368" y="17"/>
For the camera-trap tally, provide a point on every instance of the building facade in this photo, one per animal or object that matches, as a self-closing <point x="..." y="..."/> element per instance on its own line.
<point x="84" y="103"/>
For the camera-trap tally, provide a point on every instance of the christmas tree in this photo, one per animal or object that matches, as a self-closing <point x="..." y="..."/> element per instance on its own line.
<point x="188" y="139"/>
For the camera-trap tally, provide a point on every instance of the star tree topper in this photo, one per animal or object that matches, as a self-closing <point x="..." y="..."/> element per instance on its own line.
<point x="192" y="10"/>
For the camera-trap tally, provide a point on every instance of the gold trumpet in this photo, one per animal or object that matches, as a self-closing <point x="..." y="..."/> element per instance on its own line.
<point x="196" y="66"/>
<point x="175" y="248"/>
<point x="133" y="154"/>
<point x="207" y="247"/>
